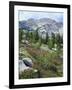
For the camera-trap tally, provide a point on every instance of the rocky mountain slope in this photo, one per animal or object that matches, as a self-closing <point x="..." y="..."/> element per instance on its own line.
<point x="48" y="24"/>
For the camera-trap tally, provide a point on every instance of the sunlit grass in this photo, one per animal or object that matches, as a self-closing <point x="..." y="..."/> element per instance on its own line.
<point x="48" y="64"/>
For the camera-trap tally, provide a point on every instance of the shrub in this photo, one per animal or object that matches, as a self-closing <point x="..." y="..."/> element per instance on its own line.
<point x="29" y="73"/>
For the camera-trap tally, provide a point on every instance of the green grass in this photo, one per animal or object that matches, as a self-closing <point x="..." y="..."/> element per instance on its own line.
<point x="27" y="74"/>
<point x="47" y="63"/>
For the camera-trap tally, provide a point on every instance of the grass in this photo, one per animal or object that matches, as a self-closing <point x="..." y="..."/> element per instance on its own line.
<point x="27" y="74"/>
<point x="48" y="64"/>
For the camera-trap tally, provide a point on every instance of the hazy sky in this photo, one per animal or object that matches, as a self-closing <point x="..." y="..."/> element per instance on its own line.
<point x="24" y="15"/>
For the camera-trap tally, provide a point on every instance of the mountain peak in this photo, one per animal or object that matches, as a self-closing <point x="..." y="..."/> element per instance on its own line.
<point x="49" y="24"/>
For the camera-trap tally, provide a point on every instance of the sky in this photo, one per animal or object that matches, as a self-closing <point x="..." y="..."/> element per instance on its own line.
<point x="25" y="15"/>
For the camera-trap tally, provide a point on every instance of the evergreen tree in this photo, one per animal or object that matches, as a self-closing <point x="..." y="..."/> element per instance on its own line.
<point x="53" y="39"/>
<point x="30" y="36"/>
<point x="47" y="37"/>
<point x="50" y="43"/>
<point x="27" y="35"/>
<point x="21" y="33"/>
<point x="40" y="41"/>
<point x="36" y="35"/>
<point x="59" y="40"/>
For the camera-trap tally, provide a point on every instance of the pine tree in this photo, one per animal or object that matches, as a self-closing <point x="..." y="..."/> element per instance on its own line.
<point x="36" y="35"/>
<point x="53" y="39"/>
<point x="47" y="38"/>
<point x="21" y="33"/>
<point x="50" y="43"/>
<point x="59" y="40"/>
<point x="27" y="35"/>
<point x="31" y="36"/>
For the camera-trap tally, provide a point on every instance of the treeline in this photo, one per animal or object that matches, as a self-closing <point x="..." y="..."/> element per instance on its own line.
<point x="55" y="40"/>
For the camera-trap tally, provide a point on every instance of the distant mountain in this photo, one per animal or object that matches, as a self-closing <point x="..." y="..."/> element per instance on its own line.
<point x="30" y="24"/>
<point x="48" y="24"/>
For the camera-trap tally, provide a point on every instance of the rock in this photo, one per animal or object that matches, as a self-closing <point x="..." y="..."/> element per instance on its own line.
<point x="46" y="25"/>
<point x="28" y="62"/>
<point x="25" y="64"/>
<point x="22" y="66"/>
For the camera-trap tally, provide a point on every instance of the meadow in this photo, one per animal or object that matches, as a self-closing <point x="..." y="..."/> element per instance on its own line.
<point x="45" y="53"/>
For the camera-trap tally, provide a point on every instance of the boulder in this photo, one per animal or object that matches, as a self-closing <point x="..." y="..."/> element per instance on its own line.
<point x="28" y="62"/>
<point x="22" y="66"/>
